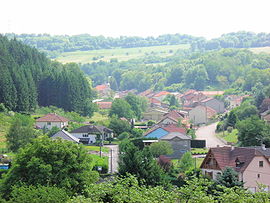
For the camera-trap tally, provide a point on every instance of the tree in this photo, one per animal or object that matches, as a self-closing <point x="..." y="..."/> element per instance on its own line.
<point x="229" y="178"/>
<point x="119" y="126"/>
<point x="252" y="131"/>
<point x="141" y="164"/>
<point x="48" y="162"/>
<point x="161" y="148"/>
<point x="121" y="108"/>
<point x="186" y="162"/>
<point x="232" y="119"/>
<point x="21" y="132"/>
<point x="138" y="104"/>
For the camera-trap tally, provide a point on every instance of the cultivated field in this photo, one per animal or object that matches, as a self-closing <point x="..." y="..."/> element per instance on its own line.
<point x="121" y="54"/>
<point x="260" y="50"/>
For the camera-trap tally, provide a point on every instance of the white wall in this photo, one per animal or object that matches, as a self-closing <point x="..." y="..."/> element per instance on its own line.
<point x="198" y="115"/>
<point x="92" y="138"/>
<point x="50" y="125"/>
<point x="215" y="172"/>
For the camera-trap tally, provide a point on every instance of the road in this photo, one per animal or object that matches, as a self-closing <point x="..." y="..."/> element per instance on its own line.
<point x="113" y="158"/>
<point x="208" y="133"/>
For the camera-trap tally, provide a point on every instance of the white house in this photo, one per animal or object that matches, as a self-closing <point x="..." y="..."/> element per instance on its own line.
<point x="201" y="114"/>
<point x="89" y="134"/>
<point x="50" y="120"/>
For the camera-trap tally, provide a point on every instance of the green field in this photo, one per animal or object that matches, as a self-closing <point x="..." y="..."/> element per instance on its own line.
<point x="97" y="148"/>
<point x="5" y="123"/>
<point x="121" y="54"/>
<point x="260" y="50"/>
<point x="229" y="137"/>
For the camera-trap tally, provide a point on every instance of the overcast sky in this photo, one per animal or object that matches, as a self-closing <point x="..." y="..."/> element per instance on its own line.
<point x="207" y="18"/>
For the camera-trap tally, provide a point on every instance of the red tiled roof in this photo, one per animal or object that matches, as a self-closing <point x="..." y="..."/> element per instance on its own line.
<point x="162" y="93"/>
<point x="104" y="105"/>
<point x="155" y="101"/>
<point x="174" y="114"/>
<point x="207" y="99"/>
<point x="101" y="87"/>
<point x="226" y="156"/>
<point x="52" y="117"/>
<point x="174" y="128"/>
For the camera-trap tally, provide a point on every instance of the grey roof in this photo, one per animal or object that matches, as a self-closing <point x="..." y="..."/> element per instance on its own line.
<point x="66" y="136"/>
<point x="175" y="134"/>
<point x="92" y="129"/>
<point x="265" y="151"/>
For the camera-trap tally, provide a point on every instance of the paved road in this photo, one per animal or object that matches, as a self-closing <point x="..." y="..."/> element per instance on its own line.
<point x="208" y="133"/>
<point x="113" y="158"/>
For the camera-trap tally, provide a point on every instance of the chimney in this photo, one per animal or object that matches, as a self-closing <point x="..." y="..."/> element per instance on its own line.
<point x="232" y="148"/>
<point x="217" y="145"/>
<point x="263" y="147"/>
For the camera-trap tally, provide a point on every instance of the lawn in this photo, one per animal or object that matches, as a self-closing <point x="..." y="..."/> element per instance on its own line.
<point x="198" y="162"/>
<point x="229" y="137"/>
<point x="100" y="161"/>
<point x="97" y="148"/>
<point x="99" y="117"/>
<point x="121" y="54"/>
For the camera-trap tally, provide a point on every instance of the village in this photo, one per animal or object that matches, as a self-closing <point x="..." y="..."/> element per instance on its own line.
<point x="191" y="127"/>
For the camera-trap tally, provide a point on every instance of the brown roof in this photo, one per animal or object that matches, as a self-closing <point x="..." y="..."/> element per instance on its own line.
<point x="162" y="93"/>
<point x="227" y="156"/>
<point x="174" y="128"/>
<point x="174" y="114"/>
<point x="104" y="105"/>
<point x="52" y="117"/>
<point x="101" y="87"/>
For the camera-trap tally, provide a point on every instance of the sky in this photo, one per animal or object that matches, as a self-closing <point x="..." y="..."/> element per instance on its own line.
<point x="206" y="18"/>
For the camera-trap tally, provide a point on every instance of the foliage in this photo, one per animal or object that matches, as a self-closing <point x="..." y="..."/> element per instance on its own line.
<point x="21" y="132"/>
<point x="53" y="131"/>
<point x="37" y="194"/>
<point x="141" y="164"/>
<point x="136" y="133"/>
<point x="121" y="108"/>
<point x="161" y="148"/>
<point x="138" y="104"/>
<point x="100" y="162"/>
<point x="252" y="131"/>
<point x="119" y="126"/>
<point x="123" y="135"/>
<point x="50" y="162"/>
<point x="186" y="162"/>
<point x="229" y="178"/>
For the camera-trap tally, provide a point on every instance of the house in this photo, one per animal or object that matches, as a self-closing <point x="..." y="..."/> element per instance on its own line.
<point x="176" y="136"/>
<point x="104" y="105"/>
<point x="213" y="103"/>
<point x="155" y="114"/>
<point x="51" y="120"/>
<point x="103" y="90"/>
<point x="266" y="116"/>
<point x="251" y="164"/>
<point x="161" y="95"/>
<point x="172" y="117"/>
<point x="265" y="105"/>
<point x="192" y="98"/>
<point x="212" y="93"/>
<point x="201" y="114"/>
<point x="89" y="134"/>
<point x="65" y="136"/>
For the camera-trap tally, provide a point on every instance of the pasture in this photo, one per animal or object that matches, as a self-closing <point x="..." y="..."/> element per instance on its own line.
<point x="121" y="54"/>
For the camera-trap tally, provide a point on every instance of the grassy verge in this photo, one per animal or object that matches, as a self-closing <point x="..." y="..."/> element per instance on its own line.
<point x="100" y="162"/>
<point x="199" y="151"/>
<point x="97" y="148"/>
<point x="197" y="161"/>
<point x="229" y="137"/>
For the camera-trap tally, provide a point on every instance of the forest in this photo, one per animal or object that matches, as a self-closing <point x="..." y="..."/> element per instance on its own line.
<point x="29" y="79"/>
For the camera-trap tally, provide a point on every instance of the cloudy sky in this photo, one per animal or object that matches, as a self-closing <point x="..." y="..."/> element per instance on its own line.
<point x="207" y="18"/>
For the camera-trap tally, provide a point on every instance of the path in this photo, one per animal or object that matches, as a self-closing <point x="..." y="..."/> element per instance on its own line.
<point x="208" y="133"/>
<point x="113" y="158"/>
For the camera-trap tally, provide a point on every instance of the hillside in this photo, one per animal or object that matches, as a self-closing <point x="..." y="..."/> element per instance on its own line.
<point x="121" y="54"/>
<point x="29" y="79"/>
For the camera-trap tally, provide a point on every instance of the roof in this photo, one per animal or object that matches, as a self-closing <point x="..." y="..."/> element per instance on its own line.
<point x="174" y="114"/>
<point x="207" y="99"/>
<point x="267" y="117"/>
<point x="175" y="134"/>
<point x="154" y="101"/>
<point x="159" y="132"/>
<point x="226" y="156"/>
<point x="173" y="128"/>
<point x="104" y="105"/>
<point x="212" y="93"/>
<point x="162" y="93"/>
<point x="66" y="136"/>
<point x="92" y="129"/>
<point x="52" y="117"/>
<point x="101" y="87"/>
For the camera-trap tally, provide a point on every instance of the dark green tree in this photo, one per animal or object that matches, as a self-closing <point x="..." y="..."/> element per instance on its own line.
<point x="121" y="108"/>
<point x="229" y="178"/>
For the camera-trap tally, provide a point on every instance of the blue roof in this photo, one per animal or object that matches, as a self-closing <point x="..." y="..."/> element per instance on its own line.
<point x="158" y="133"/>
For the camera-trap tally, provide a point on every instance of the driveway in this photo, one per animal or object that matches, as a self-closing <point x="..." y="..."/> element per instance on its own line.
<point x="113" y="158"/>
<point x="208" y="133"/>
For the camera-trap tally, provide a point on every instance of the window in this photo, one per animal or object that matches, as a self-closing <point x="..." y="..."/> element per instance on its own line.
<point x="258" y="175"/>
<point x="260" y="163"/>
<point x="49" y="123"/>
<point x="85" y="135"/>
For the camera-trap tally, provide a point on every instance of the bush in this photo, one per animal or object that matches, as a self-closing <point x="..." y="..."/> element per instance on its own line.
<point x="3" y="108"/>
<point x="124" y="135"/>
<point x="229" y="129"/>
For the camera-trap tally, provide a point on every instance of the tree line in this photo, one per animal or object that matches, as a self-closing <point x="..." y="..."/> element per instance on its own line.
<point x="217" y="69"/>
<point x="29" y="79"/>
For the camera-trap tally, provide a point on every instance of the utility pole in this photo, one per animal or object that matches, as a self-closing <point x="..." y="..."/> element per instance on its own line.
<point x="101" y="143"/>
<point x="111" y="161"/>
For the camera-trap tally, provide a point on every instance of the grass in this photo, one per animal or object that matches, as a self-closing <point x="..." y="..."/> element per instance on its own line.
<point x="121" y="54"/>
<point x="199" y="151"/>
<point x="197" y="160"/>
<point x="97" y="148"/>
<point x="5" y="123"/>
<point x="260" y="50"/>
<point x="229" y="137"/>
<point x="100" y="161"/>
<point x="97" y="117"/>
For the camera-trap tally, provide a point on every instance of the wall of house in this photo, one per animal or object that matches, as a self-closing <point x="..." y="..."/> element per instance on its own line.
<point x="168" y="121"/>
<point x="92" y="138"/>
<point x="198" y="115"/>
<point x="255" y="174"/>
<point x="50" y="125"/>
<point x="153" y="115"/>
<point x="214" y="172"/>
<point x="216" y="105"/>
<point x="179" y="147"/>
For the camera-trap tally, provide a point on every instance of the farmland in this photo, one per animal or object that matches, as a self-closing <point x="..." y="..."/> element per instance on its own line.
<point x="121" y="54"/>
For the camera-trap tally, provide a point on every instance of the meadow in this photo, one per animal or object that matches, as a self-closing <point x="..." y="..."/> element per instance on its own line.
<point x="121" y="54"/>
